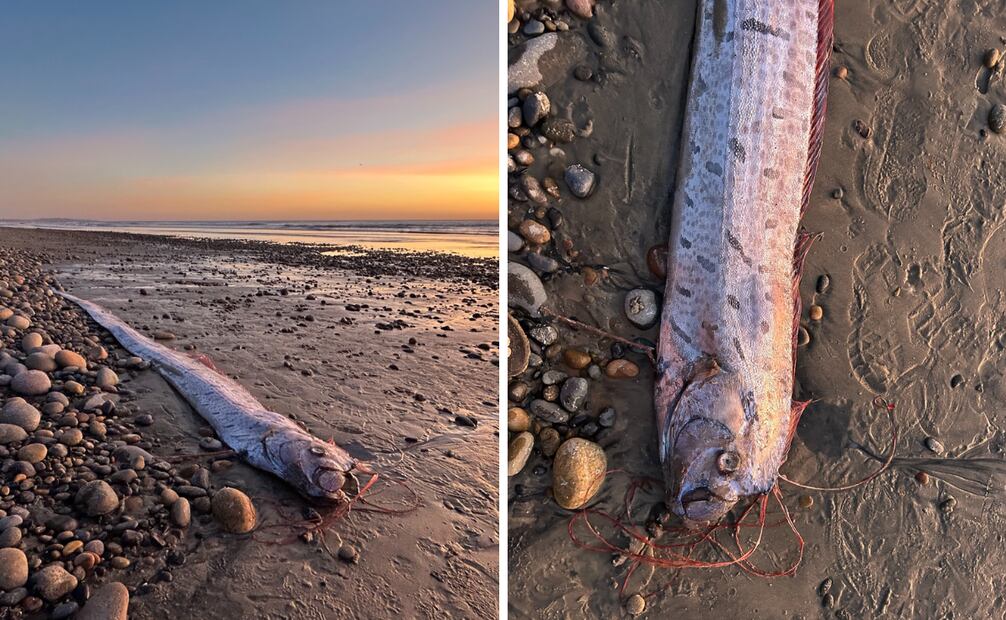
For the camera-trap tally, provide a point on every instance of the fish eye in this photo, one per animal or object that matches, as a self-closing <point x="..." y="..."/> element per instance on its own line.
<point x="728" y="461"/>
<point x="317" y="450"/>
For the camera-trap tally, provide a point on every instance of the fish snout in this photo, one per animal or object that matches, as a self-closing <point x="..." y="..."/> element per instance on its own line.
<point x="700" y="507"/>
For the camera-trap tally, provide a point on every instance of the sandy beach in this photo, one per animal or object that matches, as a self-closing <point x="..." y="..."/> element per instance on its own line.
<point x="909" y="200"/>
<point x="392" y="355"/>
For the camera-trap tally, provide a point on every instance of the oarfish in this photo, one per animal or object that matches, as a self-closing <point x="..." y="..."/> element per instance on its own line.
<point x="267" y="440"/>
<point x="750" y="147"/>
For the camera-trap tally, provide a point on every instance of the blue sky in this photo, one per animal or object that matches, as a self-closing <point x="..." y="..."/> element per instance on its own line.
<point x="101" y="101"/>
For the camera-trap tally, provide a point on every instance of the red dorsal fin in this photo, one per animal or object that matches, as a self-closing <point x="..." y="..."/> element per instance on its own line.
<point x="825" y="39"/>
<point x="204" y="359"/>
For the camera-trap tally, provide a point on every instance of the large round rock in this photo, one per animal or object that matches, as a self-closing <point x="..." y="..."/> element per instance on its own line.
<point x="53" y="582"/>
<point x="109" y="602"/>
<point x="66" y="358"/>
<point x="97" y="498"/>
<point x="21" y="413"/>
<point x="578" y="472"/>
<point x="233" y="510"/>
<point x="12" y="433"/>
<point x="13" y="569"/>
<point x="31" y="383"/>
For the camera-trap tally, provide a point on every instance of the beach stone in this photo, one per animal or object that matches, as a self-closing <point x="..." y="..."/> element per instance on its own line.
<point x="518" y="452"/>
<point x="574" y="393"/>
<point x="19" y="322"/>
<point x="20" y="412"/>
<point x="934" y="445"/>
<point x="106" y="378"/>
<point x="524" y="72"/>
<point x="52" y="582"/>
<point x="10" y="537"/>
<point x="71" y="437"/>
<point x="73" y="387"/>
<point x="534" y="27"/>
<point x="577" y="472"/>
<point x="535" y="108"/>
<point x="997" y="119"/>
<point x="31" y="383"/>
<point x="607" y="417"/>
<point x="549" y="439"/>
<point x="549" y="412"/>
<point x="641" y="307"/>
<point x="97" y="498"/>
<point x="576" y="359"/>
<point x="636" y="605"/>
<point x="233" y="510"/>
<point x="579" y="180"/>
<point x="991" y="58"/>
<point x="13" y="568"/>
<point x="534" y="232"/>
<point x="11" y="433"/>
<point x="621" y="369"/>
<point x="31" y="341"/>
<point x="544" y="334"/>
<point x="181" y="512"/>
<point x="559" y="130"/>
<point x="515" y="243"/>
<point x="66" y="358"/>
<point x="518" y="348"/>
<point x="583" y="9"/>
<point x="526" y="290"/>
<point x="518" y="420"/>
<point x="40" y="361"/>
<point x="5" y="313"/>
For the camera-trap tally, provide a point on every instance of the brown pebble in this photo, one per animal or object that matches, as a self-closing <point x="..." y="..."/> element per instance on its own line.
<point x="621" y="369"/>
<point x="991" y="58"/>
<point x="576" y="358"/>
<point x="842" y="73"/>
<point x="806" y="501"/>
<point x="816" y="313"/>
<point x="534" y="232"/>
<point x="656" y="261"/>
<point x="518" y="420"/>
<point x="802" y="337"/>
<point x="512" y="141"/>
<point x="922" y="478"/>
<point x="635" y="605"/>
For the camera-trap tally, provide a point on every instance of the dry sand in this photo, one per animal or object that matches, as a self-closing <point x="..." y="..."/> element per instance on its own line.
<point x="915" y="254"/>
<point x="439" y="561"/>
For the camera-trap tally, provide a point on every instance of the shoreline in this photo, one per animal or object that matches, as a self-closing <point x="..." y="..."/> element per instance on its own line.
<point x="330" y="347"/>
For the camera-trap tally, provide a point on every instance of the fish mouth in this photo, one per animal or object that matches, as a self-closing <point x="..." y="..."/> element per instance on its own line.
<point x="702" y="506"/>
<point x="332" y="482"/>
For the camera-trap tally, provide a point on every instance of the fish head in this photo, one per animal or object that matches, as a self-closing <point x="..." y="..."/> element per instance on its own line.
<point x="705" y="462"/>
<point x="325" y="470"/>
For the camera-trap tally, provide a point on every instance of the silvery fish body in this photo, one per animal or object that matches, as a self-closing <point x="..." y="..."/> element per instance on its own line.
<point x="265" y="439"/>
<point x="750" y="145"/>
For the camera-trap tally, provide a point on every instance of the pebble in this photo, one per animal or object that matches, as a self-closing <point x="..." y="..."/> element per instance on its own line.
<point x="549" y="439"/>
<point x="533" y="189"/>
<point x="71" y="437"/>
<point x="641" y="307"/>
<point x="549" y="412"/>
<point x="10" y="537"/>
<point x="823" y="284"/>
<point x="574" y="393"/>
<point x="31" y="383"/>
<point x="802" y="336"/>
<point x="97" y="498"/>
<point x="576" y="358"/>
<point x="518" y="452"/>
<point x="997" y="118"/>
<point x="806" y="501"/>
<point x="181" y="513"/>
<point x="233" y="510"/>
<point x="13" y="568"/>
<point x="577" y="472"/>
<point x="535" y="108"/>
<point x="933" y="445"/>
<point x="518" y="420"/>
<point x="518" y="348"/>
<point x="583" y="73"/>
<point x="19" y="412"/>
<point x="524" y="73"/>
<point x="842" y="73"/>
<point x="66" y="358"/>
<point x="40" y="360"/>
<point x="19" y="322"/>
<point x="31" y="341"/>
<point x="515" y="243"/>
<point x="583" y="9"/>
<point x="11" y="433"/>
<point x="534" y="232"/>
<point x="106" y="378"/>
<point x="991" y="58"/>
<point x="348" y="553"/>
<point x="621" y="369"/>
<point x="816" y="313"/>
<point x="534" y="27"/>
<point x="542" y="263"/>
<point x="922" y="477"/>
<point x="32" y="453"/>
<point x="525" y="289"/>
<point x="579" y="180"/>
<point x="559" y="130"/>
<point x="607" y="417"/>
<point x="52" y="582"/>
<point x="635" y="605"/>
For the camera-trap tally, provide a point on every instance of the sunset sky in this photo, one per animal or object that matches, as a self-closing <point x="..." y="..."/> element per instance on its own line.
<point x="248" y="109"/>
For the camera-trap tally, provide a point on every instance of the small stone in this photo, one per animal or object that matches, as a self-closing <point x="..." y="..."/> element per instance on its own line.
<point x="13" y="568"/>
<point x="181" y="513"/>
<point x="32" y="453"/>
<point x="577" y="472"/>
<point x="348" y="553"/>
<point x="19" y="412"/>
<point x="825" y="586"/>
<point x="621" y="369"/>
<point x="635" y="605"/>
<point x="52" y="582"/>
<point x="576" y="358"/>
<point x="66" y="359"/>
<point x="31" y="341"/>
<point x="525" y="289"/>
<point x="641" y="307"/>
<point x="11" y="433"/>
<point x="922" y="478"/>
<point x="549" y="412"/>
<point x="549" y="439"/>
<point x="607" y="418"/>
<point x="512" y="141"/>
<point x="544" y="334"/>
<point x="933" y="445"/>
<point x="119" y="562"/>
<point x="837" y="193"/>
<point x="534" y="27"/>
<point x="10" y="537"/>
<point x="806" y="501"/>
<point x="233" y="510"/>
<point x="997" y="118"/>
<point x="816" y="313"/>
<point x="579" y="180"/>
<point x="583" y="9"/>
<point x="31" y="383"/>
<point x="515" y="243"/>
<point x="518" y="452"/>
<point x="991" y="58"/>
<point x="842" y="73"/>
<point x="574" y="393"/>
<point x="72" y="547"/>
<point x="947" y="506"/>
<point x="97" y="498"/>
<point x="823" y="284"/>
<point x="559" y="130"/>
<point x="106" y="378"/>
<point x="583" y="73"/>
<point x="19" y="322"/>
<point x="71" y="437"/>
<point x="534" y="232"/>
<point x="535" y="108"/>
<point x="802" y="336"/>
<point x="518" y="420"/>
<point x="40" y="360"/>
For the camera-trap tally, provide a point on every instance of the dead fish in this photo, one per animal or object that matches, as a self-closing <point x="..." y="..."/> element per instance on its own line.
<point x="751" y="142"/>
<point x="267" y="440"/>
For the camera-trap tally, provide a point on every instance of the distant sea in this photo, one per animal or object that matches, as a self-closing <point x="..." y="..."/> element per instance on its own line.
<point x="477" y="238"/>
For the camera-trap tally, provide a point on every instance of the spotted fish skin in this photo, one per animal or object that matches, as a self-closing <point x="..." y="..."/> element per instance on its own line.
<point x="750" y="145"/>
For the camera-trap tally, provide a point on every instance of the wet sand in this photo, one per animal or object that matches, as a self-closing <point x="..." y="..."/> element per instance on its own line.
<point x="325" y="340"/>
<point x="914" y="312"/>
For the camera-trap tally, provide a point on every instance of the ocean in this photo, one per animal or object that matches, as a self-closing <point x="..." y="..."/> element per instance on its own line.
<point x="476" y="238"/>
